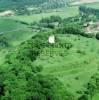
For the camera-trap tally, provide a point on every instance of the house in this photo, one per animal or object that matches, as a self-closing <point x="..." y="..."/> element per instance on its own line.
<point x="51" y="39"/>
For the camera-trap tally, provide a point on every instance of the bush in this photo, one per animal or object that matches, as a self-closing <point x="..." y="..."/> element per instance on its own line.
<point x="51" y="19"/>
<point x="37" y="69"/>
<point x="45" y="88"/>
<point x="4" y="42"/>
<point x="97" y="36"/>
<point x="83" y="97"/>
<point x="69" y="29"/>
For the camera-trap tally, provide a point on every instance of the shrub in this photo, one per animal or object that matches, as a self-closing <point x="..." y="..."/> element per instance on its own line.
<point x="97" y="36"/>
<point x="83" y="97"/>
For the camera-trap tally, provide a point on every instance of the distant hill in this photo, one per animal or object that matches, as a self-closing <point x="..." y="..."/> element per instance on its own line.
<point x="50" y="4"/>
<point x="16" y="4"/>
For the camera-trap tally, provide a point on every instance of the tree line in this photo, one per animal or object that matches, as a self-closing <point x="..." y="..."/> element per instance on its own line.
<point x="89" y="10"/>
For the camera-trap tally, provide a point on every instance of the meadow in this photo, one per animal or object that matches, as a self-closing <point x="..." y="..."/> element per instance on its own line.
<point x="93" y="5"/>
<point x="64" y="13"/>
<point x="15" y="33"/>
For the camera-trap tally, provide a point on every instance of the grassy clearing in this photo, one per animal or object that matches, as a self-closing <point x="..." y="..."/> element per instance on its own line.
<point x="64" y="13"/>
<point x="75" y="67"/>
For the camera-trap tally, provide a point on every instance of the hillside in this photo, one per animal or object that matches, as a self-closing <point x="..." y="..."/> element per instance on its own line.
<point x="21" y="4"/>
<point x="49" y="50"/>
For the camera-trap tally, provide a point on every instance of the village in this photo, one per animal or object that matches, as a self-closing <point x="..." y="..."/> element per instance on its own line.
<point x="91" y="27"/>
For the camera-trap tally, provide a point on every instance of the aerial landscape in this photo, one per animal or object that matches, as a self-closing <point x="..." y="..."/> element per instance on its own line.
<point x="49" y="49"/>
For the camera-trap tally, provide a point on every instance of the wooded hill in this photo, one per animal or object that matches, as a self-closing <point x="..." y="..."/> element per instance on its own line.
<point x="14" y="4"/>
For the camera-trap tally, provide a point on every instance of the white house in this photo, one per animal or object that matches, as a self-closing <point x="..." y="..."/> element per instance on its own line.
<point x="51" y="39"/>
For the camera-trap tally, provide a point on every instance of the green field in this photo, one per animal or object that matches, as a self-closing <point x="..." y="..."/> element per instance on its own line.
<point x="64" y="13"/>
<point x="75" y="67"/>
<point x="9" y="25"/>
<point x="93" y="5"/>
<point x="15" y="33"/>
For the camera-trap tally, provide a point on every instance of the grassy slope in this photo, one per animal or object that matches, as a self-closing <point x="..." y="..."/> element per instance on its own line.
<point x="15" y="32"/>
<point x="8" y="25"/>
<point x="72" y="64"/>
